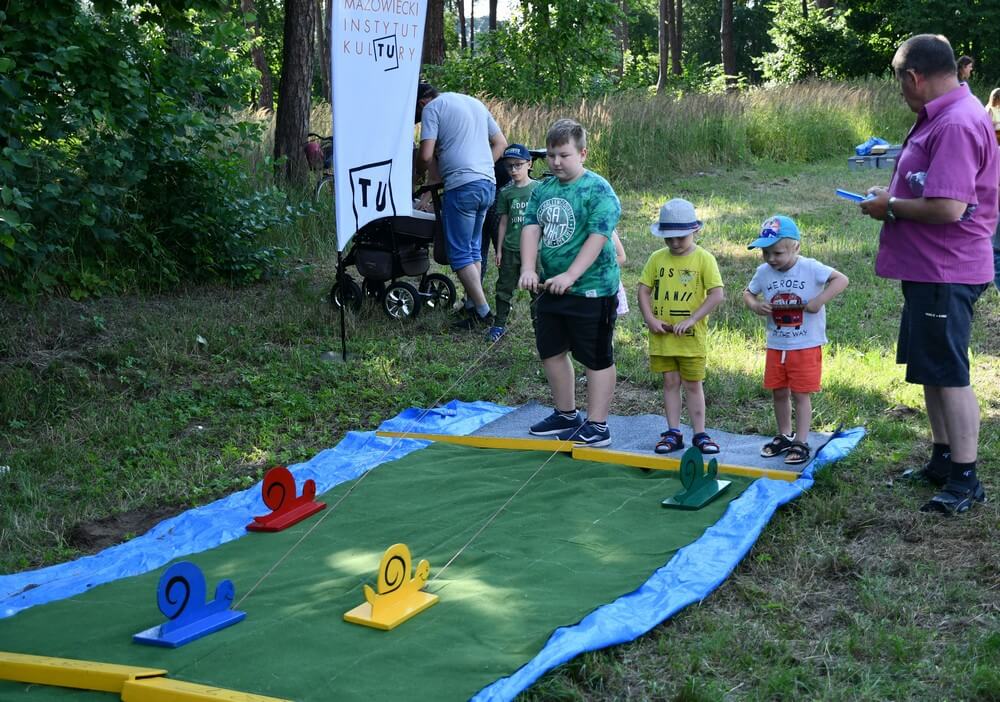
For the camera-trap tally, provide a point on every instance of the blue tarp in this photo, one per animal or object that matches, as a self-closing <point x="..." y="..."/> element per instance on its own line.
<point x="690" y="576"/>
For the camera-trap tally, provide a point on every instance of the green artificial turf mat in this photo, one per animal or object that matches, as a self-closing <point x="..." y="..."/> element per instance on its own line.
<point x="578" y="536"/>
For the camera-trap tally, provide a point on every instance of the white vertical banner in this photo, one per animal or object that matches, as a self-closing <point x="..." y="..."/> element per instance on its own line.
<point x="375" y="51"/>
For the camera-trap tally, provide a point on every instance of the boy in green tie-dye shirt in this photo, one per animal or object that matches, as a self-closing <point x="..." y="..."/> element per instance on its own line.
<point x="568" y="225"/>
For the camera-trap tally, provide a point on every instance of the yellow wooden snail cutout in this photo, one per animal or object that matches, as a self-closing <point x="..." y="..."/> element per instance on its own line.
<point x="398" y="596"/>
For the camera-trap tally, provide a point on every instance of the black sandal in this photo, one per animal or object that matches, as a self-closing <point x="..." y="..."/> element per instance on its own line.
<point x="704" y="443"/>
<point x="955" y="498"/>
<point x="776" y="446"/>
<point x="797" y="454"/>
<point x="928" y="475"/>
<point x="670" y="441"/>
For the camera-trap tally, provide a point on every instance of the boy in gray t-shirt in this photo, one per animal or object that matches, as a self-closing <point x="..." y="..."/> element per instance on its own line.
<point x="795" y="290"/>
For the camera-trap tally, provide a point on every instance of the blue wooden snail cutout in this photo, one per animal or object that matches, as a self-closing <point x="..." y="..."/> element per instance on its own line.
<point x="700" y="485"/>
<point x="180" y="595"/>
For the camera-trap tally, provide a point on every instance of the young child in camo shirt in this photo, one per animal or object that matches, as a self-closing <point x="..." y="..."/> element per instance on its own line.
<point x="795" y="290"/>
<point x="511" y="203"/>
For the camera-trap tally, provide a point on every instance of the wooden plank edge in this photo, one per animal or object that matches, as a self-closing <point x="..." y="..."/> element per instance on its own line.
<point x="477" y="441"/>
<point x="642" y="460"/>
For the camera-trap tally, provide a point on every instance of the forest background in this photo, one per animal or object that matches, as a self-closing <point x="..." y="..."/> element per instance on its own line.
<point x="165" y="332"/>
<point x="126" y="126"/>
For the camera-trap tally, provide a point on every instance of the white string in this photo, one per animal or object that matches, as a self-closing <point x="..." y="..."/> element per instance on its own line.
<point x="475" y="364"/>
<point x="376" y="462"/>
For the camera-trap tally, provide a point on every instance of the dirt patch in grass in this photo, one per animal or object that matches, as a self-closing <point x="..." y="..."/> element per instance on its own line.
<point x="98" y="534"/>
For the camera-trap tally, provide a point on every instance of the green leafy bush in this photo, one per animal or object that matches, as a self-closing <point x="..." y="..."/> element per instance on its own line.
<point x="119" y="163"/>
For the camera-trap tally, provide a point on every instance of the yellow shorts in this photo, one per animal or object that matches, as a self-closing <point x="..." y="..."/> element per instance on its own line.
<point x="691" y="367"/>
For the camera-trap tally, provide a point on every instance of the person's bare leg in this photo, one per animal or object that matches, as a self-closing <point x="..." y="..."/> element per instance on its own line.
<point x="694" y="396"/>
<point x="958" y="410"/>
<point x="559" y="372"/>
<point x="469" y="276"/>
<point x="672" y="398"/>
<point x="935" y="414"/>
<point x="783" y="410"/>
<point x="600" y="388"/>
<point x="803" y="415"/>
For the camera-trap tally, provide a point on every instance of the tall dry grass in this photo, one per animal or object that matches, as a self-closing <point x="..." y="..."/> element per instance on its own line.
<point x="635" y="138"/>
<point x="638" y="138"/>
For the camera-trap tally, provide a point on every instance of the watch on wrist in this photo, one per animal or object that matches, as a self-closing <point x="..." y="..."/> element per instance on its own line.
<point x="889" y="214"/>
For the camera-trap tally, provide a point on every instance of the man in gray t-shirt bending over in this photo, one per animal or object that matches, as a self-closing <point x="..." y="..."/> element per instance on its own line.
<point x="462" y="135"/>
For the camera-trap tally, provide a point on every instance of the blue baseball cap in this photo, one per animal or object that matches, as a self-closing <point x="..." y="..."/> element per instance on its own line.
<point x="517" y="151"/>
<point x="774" y="229"/>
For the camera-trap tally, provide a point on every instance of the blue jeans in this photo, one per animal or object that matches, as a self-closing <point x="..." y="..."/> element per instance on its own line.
<point x="463" y="211"/>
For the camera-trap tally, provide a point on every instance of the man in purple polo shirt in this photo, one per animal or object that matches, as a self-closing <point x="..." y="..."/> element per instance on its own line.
<point x="938" y="216"/>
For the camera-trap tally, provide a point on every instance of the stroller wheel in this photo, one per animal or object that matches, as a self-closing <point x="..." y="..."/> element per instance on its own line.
<point x="346" y="293"/>
<point x="373" y="289"/>
<point x="401" y="301"/>
<point x="438" y="291"/>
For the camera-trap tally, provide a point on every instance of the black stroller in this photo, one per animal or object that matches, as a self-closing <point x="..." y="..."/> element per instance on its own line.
<point x="391" y="248"/>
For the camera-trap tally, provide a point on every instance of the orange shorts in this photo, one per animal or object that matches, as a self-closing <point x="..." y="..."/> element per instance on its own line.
<point x="800" y="369"/>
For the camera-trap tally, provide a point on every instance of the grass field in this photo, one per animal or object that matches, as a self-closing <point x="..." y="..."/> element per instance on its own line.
<point x="120" y="411"/>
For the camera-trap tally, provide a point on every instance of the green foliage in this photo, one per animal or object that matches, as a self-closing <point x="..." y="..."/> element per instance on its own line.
<point x="118" y="165"/>
<point x="558" y="51"/>
<point x="818" y="44"/>
<point x="702" y="19"/>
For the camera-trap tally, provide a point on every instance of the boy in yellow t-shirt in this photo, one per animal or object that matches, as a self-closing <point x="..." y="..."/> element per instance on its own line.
<point x="679" y="286"/>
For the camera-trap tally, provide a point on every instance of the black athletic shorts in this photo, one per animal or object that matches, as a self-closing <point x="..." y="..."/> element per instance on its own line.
<point x="934" y="332"/>
<point x="584" y="326"/>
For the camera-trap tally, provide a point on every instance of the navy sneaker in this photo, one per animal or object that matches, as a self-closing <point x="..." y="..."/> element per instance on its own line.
<point x="495" y="333"/>
<point x="557" y="425"/>
<point x="590" y="435"/>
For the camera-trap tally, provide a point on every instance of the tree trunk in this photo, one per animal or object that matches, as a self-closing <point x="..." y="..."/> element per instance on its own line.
<point x="805" y="9"/>
<point x="621" y="35"/>
<point x="663" y="37"/>
<point x="493" y="15"/>
<point x="672" y="32"/>
<point x="472" y="26"/>
<point x="292" y="121"/>
<point x="726" y="37"/>
<point x="678" y="44"/>
<point x="434" y="48"/>
<point x="265" y="100"/>
<point x="323" y="45"/>
<point x="463" y="38"/>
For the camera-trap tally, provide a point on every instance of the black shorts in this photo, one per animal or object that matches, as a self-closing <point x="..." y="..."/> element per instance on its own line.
<point x="934" y="332"/>
<point x="584" y="326"/>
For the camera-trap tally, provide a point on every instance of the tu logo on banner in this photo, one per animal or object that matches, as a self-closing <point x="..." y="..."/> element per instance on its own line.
<point x="371" y="192"/>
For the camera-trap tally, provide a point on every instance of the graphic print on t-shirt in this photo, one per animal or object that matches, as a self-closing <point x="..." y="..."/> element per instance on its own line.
<point x="786" y="310"/>
<point x="558" y="222"/>
<point x="665" y="292"/>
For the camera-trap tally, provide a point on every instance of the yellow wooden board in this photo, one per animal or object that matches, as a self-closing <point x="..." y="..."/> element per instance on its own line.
<point x="645" y="460"/>
<point x="164" y="690"/>
<point x="389" y="617"/>
<point x="68" y="672"/>
<point x="599" y="455"/>
<point x="499" y="442"/>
